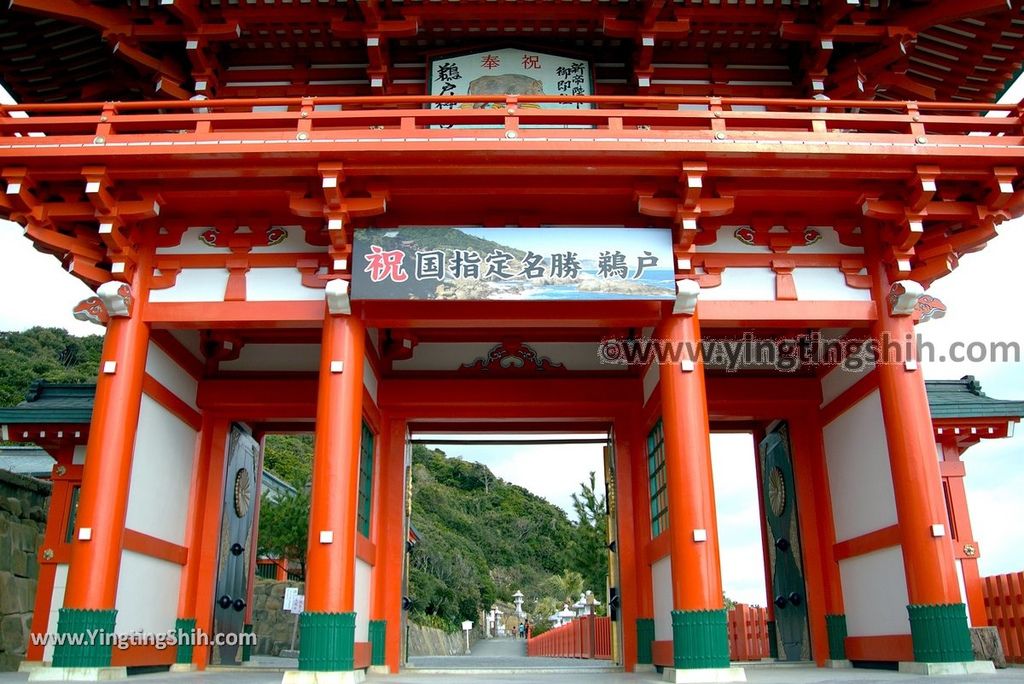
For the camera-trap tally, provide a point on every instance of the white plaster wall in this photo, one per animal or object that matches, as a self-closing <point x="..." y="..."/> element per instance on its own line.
<point x="161" y="475"/>
<point x="294" y="243"/>
<point x="276" y="357"/>
<point x="443" y="356"/>
<point x="959" y="565"/>
<point x="364" y="573"/>
<point x="60" y="583"/>
<point x="651" y="379"/>
<point x="370" y="379"/>
<point x="169" y="374"/>
<point x="78" y="458"/>
<point x="743" y="284"/>
<point x="875" y="593"/>
<point x="195" y="285"/>
<point x="838" y="380"/>
<point x="661" y="579"/>
<point x="190" y="339"/>
<point x="859" y="477"/>
<point x="825" y="284"/>
<point x="828" y="244"/>
<point x="147" y="594"/>
<point x="191" y="244"/>
<point x="726" y="242"/>
<point x="576" y="356"/>
<point x="278" y="285"/>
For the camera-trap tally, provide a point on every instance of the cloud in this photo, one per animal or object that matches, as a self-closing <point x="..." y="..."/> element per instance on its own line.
<point x="40" y="292"/>
<point x="551" y="471"/>
<point x="739" y="517"/>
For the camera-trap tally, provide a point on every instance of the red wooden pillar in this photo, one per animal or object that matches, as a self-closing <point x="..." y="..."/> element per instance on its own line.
<point x="938" y="620"/>
<point x="965" y="548"/>
<point x="89" y="600"/>
<point x="63" y="479"/>
<point x="699" y="635"/>
<point x="391" y="537"/>
<point x="199" y="580"/>
<point x="328" y="623"/>
<point x="626" y="542"/>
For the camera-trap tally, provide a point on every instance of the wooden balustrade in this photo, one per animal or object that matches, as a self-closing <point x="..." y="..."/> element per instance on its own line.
<point x="1004" y="606"/>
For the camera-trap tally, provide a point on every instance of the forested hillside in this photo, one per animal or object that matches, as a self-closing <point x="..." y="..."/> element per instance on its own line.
<point x="481" y="538"/>
<point x="48" y="354"/>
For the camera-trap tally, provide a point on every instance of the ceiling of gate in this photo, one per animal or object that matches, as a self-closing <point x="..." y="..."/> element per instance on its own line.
<point x="66" y="50"/>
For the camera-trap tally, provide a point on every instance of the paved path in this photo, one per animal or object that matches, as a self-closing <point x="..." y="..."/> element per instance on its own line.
<point x="755" y="675"/>
<point x="502" y="654"/>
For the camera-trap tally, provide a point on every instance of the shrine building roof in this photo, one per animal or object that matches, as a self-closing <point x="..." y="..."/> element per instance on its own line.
<point x="68" y="50"/>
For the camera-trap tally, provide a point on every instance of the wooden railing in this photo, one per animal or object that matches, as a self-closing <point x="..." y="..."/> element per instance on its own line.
<point x="1004" y="606"/>
<point x="748" y="632"/>
<point x="170" y="126"/>
<point x="587" y="637"/>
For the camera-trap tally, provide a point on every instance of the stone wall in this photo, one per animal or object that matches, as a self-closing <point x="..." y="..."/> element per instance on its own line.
<point x="272" y="626"/>
<point x="428" y="641"/>
<point x="23" y="506"/>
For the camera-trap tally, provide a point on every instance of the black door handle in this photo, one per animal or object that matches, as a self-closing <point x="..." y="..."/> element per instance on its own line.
<point x="780" y="601"/>
<point x="782" y="544"/>
<point x="237" y="549"/>
<point x="224" y="601"/>
<point x="795" y="598"/>
<point x="239" y="605"/>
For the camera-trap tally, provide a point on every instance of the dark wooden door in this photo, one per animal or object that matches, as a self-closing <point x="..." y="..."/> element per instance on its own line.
<point x="235" y="537"/>
<point x="785" y="562"/>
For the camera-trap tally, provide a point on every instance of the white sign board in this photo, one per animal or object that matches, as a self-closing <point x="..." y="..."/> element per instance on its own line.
<point x="289" y="597"/>
<point x="467" y="625"/>
<point x="509" y="71"/>
<point x="298" y="604"/>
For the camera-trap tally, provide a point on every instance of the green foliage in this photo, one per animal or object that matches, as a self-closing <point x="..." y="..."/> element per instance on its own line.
<point x="48" y="354"/>
<point x="590" y="542"/>
<point x="284" y="528"/>
<point x="290" y="457"/>
<point x="482" y="539"/>
<point x="566" y="587"/>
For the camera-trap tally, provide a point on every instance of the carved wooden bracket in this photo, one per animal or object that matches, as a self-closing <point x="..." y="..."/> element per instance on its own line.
<point x="687" y="208"/>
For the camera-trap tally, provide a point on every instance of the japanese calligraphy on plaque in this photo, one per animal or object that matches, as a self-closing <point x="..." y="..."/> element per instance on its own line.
<point x="509" y="71"/>
<point x="513" y="263"/>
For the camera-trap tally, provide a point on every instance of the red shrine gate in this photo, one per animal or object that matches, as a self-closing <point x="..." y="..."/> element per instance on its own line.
<point x="226" y="233"/>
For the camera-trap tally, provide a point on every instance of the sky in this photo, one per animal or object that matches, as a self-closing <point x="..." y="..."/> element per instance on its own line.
<point x="980" y="298"/>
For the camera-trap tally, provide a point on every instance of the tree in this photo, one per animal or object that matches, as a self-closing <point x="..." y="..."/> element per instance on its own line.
<point x="284" y="528"/>
<point x="590" y="538"/>
<point x="45" y="354"/>
<point x="567" y="586"/>
<point x="290" y="457"/>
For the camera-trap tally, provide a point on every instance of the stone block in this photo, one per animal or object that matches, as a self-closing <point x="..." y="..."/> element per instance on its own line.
<point x="17" y="594"/>
<point x="11" y="504"/>
<point x="25" y="536"/>
<point x="987" y="646"/>
<point x="19" y="563"/>
<point x="13" y="634"/>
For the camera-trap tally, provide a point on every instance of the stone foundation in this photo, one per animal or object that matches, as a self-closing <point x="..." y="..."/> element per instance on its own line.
<point x="987" y="646"/>
<point x="272" y="626"/>
<point x="23" y="505"/>
<point x="428" y="641"/>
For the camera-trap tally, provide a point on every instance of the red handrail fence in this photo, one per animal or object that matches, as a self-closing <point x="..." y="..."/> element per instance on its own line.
<point x="588" y="637"/>
<point x="1004" y="606"/>
<point x="748" y="632"/>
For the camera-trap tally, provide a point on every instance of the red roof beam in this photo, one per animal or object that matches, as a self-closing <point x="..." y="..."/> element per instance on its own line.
<point x="945" y="11"/>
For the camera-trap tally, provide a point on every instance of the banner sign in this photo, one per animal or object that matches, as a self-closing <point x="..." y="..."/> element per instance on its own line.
<point x="439" y="263"/>
<point x="509" y="71"/>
